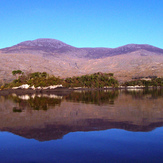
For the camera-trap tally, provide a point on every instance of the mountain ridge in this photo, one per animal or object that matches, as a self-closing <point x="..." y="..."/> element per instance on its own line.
<point x="54" y="45"/>
<point x="60" y="59"/>
<point x="51" y="40"/>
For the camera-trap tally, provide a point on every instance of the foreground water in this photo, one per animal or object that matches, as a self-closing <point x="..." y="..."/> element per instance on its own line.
<point x="110" y="126"/>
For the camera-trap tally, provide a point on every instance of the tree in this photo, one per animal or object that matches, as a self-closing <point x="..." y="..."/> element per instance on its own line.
<point x="17" y="73"/>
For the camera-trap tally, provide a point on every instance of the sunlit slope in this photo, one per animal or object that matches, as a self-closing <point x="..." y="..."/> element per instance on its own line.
<point x="60" y="59"/>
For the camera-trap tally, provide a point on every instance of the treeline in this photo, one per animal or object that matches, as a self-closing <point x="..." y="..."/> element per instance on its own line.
<point x="42" y="79"/>
<point x="147" y="83"/>
<point x="96" y="80"/>
<point x="37" y="79"/>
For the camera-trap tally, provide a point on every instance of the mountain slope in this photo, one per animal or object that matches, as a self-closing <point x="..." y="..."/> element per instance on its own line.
<point x="55" y="46"/>
<point x="60" y="59"/>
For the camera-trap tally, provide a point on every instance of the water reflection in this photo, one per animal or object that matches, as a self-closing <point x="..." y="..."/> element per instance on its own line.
<point x="35" y="102"/>
<point x="141" y="93"/>
<point x="46" y="117"/>
<point x="94" y="97"/>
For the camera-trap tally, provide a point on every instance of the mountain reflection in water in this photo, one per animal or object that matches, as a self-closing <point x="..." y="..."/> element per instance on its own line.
<point x="46" y="117"/>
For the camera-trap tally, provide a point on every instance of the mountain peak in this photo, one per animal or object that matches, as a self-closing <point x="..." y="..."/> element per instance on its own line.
<point x="52" y="46"/>
<point x="138" y="46"/>
<point x="134" y="47"/>
<point x="44" y="42"/>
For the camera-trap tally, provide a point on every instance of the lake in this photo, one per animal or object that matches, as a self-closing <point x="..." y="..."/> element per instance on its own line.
<point x="82" y="126"/>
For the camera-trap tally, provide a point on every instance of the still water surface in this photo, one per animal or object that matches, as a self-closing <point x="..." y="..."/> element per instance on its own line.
<point x="110" y="126"/>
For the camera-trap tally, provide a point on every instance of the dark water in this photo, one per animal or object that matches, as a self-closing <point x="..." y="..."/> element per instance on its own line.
<point x="110" y="126"/>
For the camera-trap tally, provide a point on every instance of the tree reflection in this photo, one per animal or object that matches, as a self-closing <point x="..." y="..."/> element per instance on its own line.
<point x="42" y="101"/>
<point x="80" y="111"/>
<point x="94" y="97"/>
<point x="35" y="103"/>
<point x="152" y="93"/>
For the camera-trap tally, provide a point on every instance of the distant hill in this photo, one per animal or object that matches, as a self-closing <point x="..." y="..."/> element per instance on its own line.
<point x="61" y="59"/>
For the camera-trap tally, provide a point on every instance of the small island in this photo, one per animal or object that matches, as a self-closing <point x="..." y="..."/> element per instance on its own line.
<point x="41" y="82"/>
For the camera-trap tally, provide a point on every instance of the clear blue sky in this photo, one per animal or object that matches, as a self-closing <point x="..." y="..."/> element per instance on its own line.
<point x="82" y="23"/>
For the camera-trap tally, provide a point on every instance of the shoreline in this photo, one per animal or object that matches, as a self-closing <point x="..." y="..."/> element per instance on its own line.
<point x="64" y="90"/>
